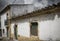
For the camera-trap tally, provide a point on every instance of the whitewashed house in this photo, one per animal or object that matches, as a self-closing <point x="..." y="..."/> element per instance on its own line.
<point x="44" y="24"/>
<point x="6" y="9"/>
<point x="28" y="20"/>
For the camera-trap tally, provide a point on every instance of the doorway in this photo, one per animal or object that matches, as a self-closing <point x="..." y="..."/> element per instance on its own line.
<point x="0" y="32"/>
<point x="7" y="28"/>
<point x="15" y="31"/>
<point x="34" y="29"/>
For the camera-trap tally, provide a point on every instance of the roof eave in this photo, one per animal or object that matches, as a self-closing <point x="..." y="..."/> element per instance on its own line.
<point x="4" y="9"/>
<point x="47" y="10"/>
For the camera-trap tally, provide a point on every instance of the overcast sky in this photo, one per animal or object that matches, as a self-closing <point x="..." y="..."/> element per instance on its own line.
<point x="37" y="3"/>
<point x="42" y="2"/>
<point x="28" y="1"/>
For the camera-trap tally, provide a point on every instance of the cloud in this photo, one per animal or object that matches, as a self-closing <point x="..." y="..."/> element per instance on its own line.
<point x="41" y="4"/>
<point x="28" y="1"/>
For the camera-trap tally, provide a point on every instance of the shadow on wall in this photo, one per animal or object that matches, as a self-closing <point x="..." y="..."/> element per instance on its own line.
<point x="47" y="17"/>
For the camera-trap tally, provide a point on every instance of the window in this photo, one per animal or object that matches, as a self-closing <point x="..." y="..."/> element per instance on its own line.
<point x="34" y="29"/>
<point x="3" y="31"/>
<point x="6" y="22"/>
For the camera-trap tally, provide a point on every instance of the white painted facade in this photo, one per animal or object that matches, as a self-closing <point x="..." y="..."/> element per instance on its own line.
<point x="3" y="26"/>
<point x="23" y="28"/>
<point x="3" y="18"/>
<point x="48" y="26"/>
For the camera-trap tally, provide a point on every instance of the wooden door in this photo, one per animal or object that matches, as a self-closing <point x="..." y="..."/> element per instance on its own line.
<point x="7" y="29"/>
<point x="0" y="32"/>
<point x="15" y="31"/>
<point x="34" y="29"/>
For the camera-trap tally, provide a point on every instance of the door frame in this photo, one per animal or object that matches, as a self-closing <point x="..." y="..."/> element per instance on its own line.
<point x="30" y="28"/>
<point x="7" y="31"/>
<point x="15" y="36"/>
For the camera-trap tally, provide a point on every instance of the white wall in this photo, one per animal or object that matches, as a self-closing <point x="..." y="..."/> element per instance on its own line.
<point x="3" y="18"/>
<point x="12" y="28"/>
<point x="23" y="29"/>
<point x="48" y="26"/>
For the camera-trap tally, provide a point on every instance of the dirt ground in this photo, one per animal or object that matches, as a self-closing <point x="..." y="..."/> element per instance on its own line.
<point x="21" y="38"/>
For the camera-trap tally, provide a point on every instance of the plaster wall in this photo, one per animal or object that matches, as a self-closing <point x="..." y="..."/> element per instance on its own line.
<point x="48" y="26"/>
